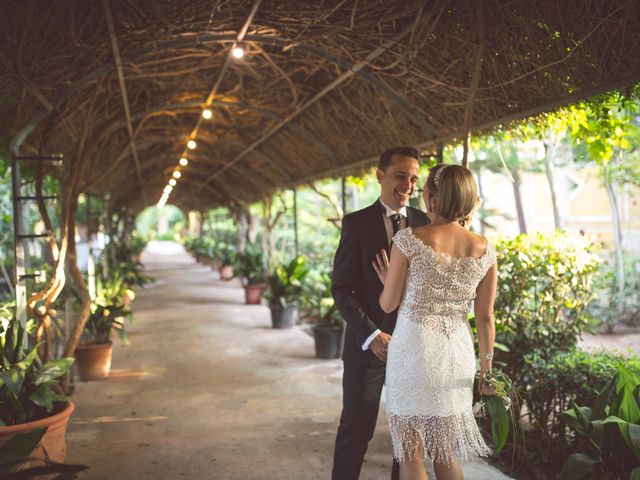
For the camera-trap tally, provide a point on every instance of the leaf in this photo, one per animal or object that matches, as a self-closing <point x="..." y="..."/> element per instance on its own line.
<point x="635" y="474"/>
<point x="13" y="380"/>
<point x="18" y="449"/>
<point x="499" y="421"/>
<point x="43" y="397"/>
<point x="577" y="467"/>
<point x="52" y="370"/>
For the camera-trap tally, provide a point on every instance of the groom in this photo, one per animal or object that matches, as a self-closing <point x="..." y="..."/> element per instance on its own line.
<point x="356" y="289"/>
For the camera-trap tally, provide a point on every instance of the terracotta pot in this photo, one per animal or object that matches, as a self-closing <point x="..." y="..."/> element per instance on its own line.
<point x="226" y="272"/>
<point x="253" y="293"/>
<point x="53" y="444"/>
<point x="93" y="360"/>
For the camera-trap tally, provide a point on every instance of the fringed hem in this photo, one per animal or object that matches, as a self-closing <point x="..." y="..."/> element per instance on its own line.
<point x="440" y="439"/>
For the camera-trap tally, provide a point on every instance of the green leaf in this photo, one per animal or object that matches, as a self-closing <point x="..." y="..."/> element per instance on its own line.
<point x="499" y="421"/>
<point x="13" y="380"/>
<point x="43" y="397"/>
<point x="635" y="474"/>
<point x="22" y="443"/>
<point x="53" y="370"/>
<point x="577" y="467"/>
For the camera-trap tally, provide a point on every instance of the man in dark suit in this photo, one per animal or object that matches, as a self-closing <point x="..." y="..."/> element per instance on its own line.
<point x="356" y="289"/>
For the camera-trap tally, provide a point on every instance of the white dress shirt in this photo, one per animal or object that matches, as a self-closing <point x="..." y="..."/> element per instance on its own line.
<point x="388" y="226"/>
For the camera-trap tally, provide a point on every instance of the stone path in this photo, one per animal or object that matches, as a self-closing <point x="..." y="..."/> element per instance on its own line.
<point x="208" y="390"/>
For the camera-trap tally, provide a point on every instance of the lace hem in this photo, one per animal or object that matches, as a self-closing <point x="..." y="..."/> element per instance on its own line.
<point x="440" y="439"/>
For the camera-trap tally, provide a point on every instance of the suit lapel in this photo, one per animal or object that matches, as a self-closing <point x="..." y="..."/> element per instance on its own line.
<point x="379" y="233"/>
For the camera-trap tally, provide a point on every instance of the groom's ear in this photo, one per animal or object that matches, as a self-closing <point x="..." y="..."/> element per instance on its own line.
<point x="379" y="175"/>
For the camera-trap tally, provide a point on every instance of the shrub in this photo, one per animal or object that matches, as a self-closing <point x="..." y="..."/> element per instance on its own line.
<point x="545" y="285"/>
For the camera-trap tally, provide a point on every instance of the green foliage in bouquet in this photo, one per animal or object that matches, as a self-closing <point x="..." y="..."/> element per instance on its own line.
<point x="503" y="418"/>
<point x="287" y="282"/>
<point x="28" y="389"/>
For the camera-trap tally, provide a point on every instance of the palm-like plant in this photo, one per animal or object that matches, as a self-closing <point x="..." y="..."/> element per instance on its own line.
<point x="287" y="282"/>
<point x="108" y="310"/>
<point x="250" y="264"/>
<point x="319" y="306"/>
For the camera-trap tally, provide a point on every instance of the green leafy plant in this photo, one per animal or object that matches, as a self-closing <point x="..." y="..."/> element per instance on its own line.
<point x="610" y="430"/>
<point x="318" y="305"/>
<point x="287" y="281"/>
<point x="225" y="252"/>
<point x="545" y="286"/>
<point x="28" y="389"/>
<point x="17" y="451"/>
<point x="108" y="310"/>
<point x="250" y="264"/>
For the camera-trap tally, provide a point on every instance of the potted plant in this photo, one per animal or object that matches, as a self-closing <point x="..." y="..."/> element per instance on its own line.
<point x="226" y="254"/>
<point x="320" y="309"/>
<point x="30" y="395"/>
<point x="250" y="266"/>
<point x="108" y="313"/>
<point x="285" y="286"/>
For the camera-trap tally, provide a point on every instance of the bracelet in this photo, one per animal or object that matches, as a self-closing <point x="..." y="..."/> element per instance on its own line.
<point x="486" y="356"/>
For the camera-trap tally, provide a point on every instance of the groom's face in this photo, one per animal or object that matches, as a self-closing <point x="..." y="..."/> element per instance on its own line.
<point x="398" y="181"/>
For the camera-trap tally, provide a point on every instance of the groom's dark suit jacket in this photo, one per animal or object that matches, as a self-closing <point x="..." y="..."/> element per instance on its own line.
<point x="356" y="286"/>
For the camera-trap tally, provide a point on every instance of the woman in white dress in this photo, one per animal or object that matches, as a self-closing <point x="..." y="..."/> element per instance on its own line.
<point x="436" y="275"/>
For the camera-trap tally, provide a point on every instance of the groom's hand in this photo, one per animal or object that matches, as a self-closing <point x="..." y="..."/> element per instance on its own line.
<point x="379" y="345"/>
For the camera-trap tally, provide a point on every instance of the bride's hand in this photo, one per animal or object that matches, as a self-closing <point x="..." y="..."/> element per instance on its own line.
<point x="381" y="265"/>
<point x="482" y="388"/>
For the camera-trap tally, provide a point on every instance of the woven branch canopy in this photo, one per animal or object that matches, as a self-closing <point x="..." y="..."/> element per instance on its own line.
<point x="118" y="86"/>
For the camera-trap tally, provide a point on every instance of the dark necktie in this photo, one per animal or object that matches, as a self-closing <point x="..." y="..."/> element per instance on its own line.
<point x="395" y="223"/>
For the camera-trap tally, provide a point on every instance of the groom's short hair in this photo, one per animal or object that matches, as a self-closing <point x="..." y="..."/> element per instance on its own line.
<point x="406" y="151"/>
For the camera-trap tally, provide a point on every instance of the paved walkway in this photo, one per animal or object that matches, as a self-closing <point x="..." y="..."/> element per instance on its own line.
<point x="209" y="390"/>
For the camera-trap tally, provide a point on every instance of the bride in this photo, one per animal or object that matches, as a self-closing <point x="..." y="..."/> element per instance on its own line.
<point x="436" y="273"/>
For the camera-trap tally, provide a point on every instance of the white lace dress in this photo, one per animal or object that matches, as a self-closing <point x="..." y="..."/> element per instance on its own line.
<point x="431" y="361"/>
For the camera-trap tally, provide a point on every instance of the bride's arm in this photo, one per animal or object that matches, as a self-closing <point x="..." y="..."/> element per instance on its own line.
<point x="483" y="309"/>
<point x="393" y="275"/>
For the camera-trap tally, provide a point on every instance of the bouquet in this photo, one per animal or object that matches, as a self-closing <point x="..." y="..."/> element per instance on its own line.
<point x="498" y="406"/>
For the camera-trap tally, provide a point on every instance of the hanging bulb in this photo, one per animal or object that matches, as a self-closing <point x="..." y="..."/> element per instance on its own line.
<point x="172" y="182"/>
<point x="184" y="162"/>
<point x="237" y="52"/>
<point x="207" y="114"/>
<point x="168" y="189"/>
<point x="177" y="174"/>
<point x="191" y="144"/>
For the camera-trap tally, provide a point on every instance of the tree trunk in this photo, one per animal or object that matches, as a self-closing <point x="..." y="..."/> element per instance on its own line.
<point x="617" y="235"/>
<point x="518" y="198"/>
<point x="549" y="168"/>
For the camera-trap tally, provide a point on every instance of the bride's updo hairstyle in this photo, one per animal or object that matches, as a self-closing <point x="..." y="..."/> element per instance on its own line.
<point x="455" y="190"/>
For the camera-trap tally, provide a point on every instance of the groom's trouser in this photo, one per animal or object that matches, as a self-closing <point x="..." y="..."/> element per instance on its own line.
<point x="361" y="389"/>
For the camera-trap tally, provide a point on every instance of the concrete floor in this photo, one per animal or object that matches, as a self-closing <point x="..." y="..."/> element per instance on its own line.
<point x="207" y="389"/>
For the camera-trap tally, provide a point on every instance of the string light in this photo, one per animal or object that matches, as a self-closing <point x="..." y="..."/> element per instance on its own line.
<point x="172" y="182"/>
<point x="191" y="144"/>
<point x="168" y="189"/>
<point x="237" y="52"/>
<point x="177" y="174"/>
<point x="184" y="162"/>
<point x="207" y="114"/>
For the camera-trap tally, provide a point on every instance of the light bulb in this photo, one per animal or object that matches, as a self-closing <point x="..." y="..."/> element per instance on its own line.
<point x="237" y="52"/>
<point x="207" y="114"/>
<point x="184" y="162"/>
<point x="172" y="182"/>
<point x="177" y="174"/>
<point x="168" y="189"/>
<point x="191" y="144"/>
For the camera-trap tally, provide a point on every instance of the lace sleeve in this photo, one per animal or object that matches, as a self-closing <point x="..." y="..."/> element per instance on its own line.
<point x="405" y="241"/>
<point x="490" y="258"/>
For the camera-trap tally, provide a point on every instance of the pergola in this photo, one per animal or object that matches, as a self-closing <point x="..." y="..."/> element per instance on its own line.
<point x="118" y="86"/>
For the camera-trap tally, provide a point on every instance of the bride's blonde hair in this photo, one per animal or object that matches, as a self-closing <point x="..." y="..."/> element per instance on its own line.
<point x="456" y="191"/>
